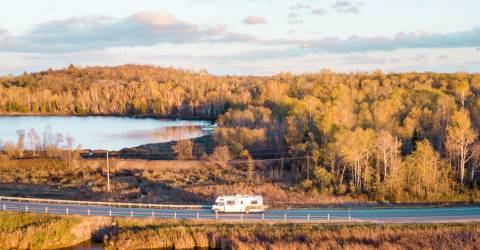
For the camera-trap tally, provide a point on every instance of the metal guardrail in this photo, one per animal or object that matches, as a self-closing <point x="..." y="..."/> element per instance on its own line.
<point x="177" y="214"/>
<point x="104" y="203"/>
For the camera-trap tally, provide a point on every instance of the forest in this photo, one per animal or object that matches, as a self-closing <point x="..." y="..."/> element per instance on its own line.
<point x="398" y="137"/>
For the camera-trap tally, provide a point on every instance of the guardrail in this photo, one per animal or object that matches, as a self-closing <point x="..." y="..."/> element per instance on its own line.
<point x="180" y="215"/>
<point x="104" y="203"/>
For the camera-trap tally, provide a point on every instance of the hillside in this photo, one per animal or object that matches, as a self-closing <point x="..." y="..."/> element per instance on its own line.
<point x="389" y="137"/>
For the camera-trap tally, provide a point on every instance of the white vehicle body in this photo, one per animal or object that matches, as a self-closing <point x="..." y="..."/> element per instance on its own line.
<point x="239" y="204"/>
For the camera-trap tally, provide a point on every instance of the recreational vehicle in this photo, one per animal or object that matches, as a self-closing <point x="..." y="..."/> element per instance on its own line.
<point x="239" y="204"/>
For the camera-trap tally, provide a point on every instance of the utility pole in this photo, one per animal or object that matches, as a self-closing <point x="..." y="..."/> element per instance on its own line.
<point x="108" y="174"/>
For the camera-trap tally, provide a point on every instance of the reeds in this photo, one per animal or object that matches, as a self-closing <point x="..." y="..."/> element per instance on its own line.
<point x="135" y="234"/>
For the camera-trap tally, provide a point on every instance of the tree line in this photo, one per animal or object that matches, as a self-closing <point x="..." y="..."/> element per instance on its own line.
<point x="396" y="137"/>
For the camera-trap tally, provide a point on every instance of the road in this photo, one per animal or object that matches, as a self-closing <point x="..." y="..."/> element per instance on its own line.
<point x="375" y="215"/>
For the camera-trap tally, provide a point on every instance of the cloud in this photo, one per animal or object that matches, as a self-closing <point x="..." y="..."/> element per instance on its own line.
<point x="299" y="6"/>
<point x="470" y="38"/>
<point x="146" y="29"/>
<point x="293" y="15"/>
<point x="99" y="32"/>
<point x="346" y="7"/>
<point x="3" y="37"/>
<point x="295" y="21"/>
<point x="252" y="20"/>
<point x="319" y="12"/>
<point x="294" y="18"/>
<point x="413" y="40"/>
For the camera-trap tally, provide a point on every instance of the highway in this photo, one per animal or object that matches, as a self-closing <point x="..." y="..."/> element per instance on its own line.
<point x="374" y="215"/>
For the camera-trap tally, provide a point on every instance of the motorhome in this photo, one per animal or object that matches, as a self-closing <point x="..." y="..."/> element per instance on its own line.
<point x="239" y="204"/>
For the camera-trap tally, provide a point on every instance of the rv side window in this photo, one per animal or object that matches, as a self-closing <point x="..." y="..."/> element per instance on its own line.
<point x="254" y="202"/>
<point x="231" y="203"/>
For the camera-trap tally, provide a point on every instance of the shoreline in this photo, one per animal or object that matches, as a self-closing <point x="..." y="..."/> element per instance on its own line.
<point x="134" y="116"/>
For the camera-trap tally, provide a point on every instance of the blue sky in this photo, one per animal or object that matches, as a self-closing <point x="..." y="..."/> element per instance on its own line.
<point x="243" y="36"/>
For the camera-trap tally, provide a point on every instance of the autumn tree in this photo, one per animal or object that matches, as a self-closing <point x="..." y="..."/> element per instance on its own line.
<point x="183" y="150"/>
<point x="388" y="148"/>
<point x="250" y="163"/>
<point x="355" y="148"/>
<point x="221" y="155"/>
<point x="460" y="136"/>
<point x="461" y="89"/>
<point x="9" y="149"/>
<point x="426" y="175"/>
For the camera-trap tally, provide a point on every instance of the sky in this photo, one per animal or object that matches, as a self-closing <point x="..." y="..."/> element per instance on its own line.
<point x="242" y="37"/>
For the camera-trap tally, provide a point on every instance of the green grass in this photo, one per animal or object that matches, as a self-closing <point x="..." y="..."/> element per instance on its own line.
<point x="36" y="231"/>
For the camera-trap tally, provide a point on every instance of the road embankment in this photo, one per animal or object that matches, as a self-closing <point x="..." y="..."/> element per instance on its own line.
<point x="40" y="231"/>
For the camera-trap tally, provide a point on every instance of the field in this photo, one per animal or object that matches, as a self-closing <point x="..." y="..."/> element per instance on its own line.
<point x="177" y="182"/>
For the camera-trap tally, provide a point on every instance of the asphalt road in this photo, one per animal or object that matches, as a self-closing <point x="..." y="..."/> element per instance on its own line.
<point x="377" y="215"/>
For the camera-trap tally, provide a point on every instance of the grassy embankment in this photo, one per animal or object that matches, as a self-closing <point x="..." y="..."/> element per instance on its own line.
<point x="38" y="231"/>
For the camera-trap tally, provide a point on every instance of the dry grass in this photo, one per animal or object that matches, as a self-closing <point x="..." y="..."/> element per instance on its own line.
<point x="37" y="231"/>
<point x="192" y="182"/>
<point x="135" y="234"/>
<point x="144" y="181"/>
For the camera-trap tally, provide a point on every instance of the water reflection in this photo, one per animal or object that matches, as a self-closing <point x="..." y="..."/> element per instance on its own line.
<point x="112" y="133"/>
<point x="87" y="245"/>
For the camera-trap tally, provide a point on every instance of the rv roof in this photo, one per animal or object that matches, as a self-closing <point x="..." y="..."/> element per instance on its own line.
<point x="239" y="196"/>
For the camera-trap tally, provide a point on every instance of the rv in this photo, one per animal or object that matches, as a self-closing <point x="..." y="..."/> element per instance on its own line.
<point x="239" y="204"/>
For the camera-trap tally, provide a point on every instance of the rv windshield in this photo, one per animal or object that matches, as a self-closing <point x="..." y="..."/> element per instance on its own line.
<point x="219" y="204"/>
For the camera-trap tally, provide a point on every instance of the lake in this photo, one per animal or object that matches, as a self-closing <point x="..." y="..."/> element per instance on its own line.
<point x="100" y="132"/>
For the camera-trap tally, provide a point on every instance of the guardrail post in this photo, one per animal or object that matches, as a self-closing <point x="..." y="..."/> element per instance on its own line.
<point x="216" y="215"/>
<point x="131" y="213"/>
<point x="4" y="207"/>
<point x="66" y="210"/>
<point x="285" y="216"/>
<point x="26" y="208"/>
<point x="241" y="217"/>
<point x="197" y="216"/>
<point x="46" y="210"/>
<point x="349" y="216"/>
<point x="110" y="212"/>
<point x="175" y="215"/>
<point x="153" y="214"/>
<point x="88" y="211"/>
<point x="263" y="216"/>
<point x="328" y="217"/>
<point x="308" y="217"/>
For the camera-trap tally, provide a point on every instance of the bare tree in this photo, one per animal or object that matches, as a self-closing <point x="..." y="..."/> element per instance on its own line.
<point x="475" y="164"/>
<point x="20" y="142"/>
<point x="34" y="140"/>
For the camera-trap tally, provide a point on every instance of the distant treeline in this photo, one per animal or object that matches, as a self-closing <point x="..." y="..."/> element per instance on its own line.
<point x="398" y="137"/>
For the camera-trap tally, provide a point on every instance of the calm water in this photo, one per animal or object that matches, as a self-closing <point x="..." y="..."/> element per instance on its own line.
<point x="100" y="132"/>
